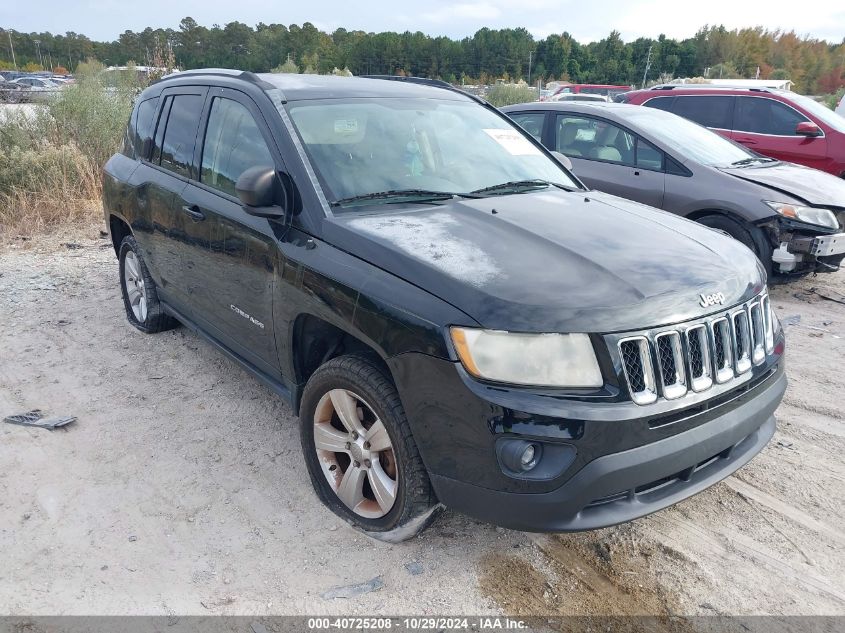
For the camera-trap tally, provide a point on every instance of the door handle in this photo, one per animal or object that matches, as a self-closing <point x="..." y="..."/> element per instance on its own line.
<point x="636" y="172"/>
<point x="194" y="212"/>
<point x="747" y="141"/>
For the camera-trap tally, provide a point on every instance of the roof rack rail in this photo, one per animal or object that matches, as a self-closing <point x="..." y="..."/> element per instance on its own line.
<point x="218" y="72"/>
<point x="706" y="86"/>
<point x="424" y="81"/>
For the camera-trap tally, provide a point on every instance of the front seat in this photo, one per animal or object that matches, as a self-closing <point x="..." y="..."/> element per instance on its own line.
<point x="604" y="148"/>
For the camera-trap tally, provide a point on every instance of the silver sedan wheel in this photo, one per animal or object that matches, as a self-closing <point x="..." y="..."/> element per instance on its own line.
<point x="136" y="290"/>
<point x="355" y="453"/>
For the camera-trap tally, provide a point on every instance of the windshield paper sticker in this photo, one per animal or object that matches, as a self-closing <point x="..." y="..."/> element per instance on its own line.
<point x="514" y="142"/>
<point x="346" y="127"/>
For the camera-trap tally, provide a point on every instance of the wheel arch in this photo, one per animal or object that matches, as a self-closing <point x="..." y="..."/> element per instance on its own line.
<point x="118" y="229"/>
<point x="314" y="341"/>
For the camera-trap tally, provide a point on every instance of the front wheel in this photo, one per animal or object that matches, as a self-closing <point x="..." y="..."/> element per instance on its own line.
<point x="361" y="456"/>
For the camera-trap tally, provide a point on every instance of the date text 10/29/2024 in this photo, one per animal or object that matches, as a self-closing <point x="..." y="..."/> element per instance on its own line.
<point x="415" y="624"/>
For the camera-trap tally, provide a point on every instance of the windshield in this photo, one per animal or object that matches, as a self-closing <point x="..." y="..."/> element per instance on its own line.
<point x="688" y="139"/>
<point x="828" y="116"/>
<point x="419" y="147"/>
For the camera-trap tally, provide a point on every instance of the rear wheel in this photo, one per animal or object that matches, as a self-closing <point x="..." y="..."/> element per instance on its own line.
<point x="140" y="297"/>
<point x="361" y="456"/>
<point x="752" y="236"/>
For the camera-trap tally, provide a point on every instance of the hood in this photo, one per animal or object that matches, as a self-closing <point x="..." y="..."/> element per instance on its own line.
<point x="811" y="186"/>
<point x="554" y="261"/>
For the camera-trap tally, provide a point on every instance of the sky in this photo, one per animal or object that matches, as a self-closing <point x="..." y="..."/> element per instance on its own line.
<point x="586" y="20"/>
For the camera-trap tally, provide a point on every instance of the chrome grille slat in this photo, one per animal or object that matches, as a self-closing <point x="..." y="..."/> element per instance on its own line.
<point x="670" y="359"/>
<point x="714" y="350"/>
<point x="758" y="335"/>
<point x="723" y="363"/>
<point x="768" y="323"/>
<point x="639" y="370"/>
<point x="742" y="341"/>
<point x="698" y="353"/>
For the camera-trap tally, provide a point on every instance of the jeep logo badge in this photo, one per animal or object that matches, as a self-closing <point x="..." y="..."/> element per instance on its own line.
<point x="716" y="299"/>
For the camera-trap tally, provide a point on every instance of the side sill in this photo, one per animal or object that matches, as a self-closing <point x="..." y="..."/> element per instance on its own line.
<point x="279" y="388"/>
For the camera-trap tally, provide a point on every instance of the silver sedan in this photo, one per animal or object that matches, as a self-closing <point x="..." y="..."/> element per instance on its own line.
<point x="791" y="216"/>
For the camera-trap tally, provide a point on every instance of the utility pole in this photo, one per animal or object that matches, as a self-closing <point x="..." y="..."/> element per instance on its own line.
<point x="12" y="46"/>
<point x="38" y="50"/>
<point x="647" y="66"/>
<point x="530" y="53"/>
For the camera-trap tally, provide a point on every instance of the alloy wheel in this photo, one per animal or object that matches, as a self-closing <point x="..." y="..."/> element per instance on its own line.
<point x="355" y="453"/>
<point x="133" y="281"/>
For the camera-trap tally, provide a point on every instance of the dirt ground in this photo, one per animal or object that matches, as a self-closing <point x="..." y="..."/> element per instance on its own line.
<point x="181" y="490"/>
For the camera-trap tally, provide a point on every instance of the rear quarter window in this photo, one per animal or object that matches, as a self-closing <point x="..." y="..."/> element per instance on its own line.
<point x="660" y="103"/>
<point x="144" y="124"/>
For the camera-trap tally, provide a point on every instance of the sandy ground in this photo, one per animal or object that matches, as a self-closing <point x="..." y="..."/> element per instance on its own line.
<point x="180" y="489"/>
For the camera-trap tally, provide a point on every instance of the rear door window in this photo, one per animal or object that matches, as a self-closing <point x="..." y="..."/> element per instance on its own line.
<point x="159" y="135"/>
<point x="233" y="144"/>
<point x="177" y="149"/>
<point x="708" y="110"/>
<point x="759" y="115"/>
<point x="648" y="156"/>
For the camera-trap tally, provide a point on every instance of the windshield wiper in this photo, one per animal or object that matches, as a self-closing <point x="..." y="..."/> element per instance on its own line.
<point x="515" y="186"/>
<point x="402" y="195"/>
<point x="752" y="159"/>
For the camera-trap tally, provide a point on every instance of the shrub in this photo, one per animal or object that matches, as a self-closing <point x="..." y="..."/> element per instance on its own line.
<point x="51" y="155"/>
<point x="506" y="94"/>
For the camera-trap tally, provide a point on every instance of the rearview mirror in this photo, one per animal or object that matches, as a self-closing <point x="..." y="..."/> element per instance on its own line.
<point x="563" y="159"/>
<point x="808" y="128"/>
<point x="260" y="191"/>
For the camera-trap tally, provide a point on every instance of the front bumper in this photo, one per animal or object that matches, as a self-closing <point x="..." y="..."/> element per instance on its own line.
<point x="630" y="460"/>
<point x="825" y="251"/>
<point x="623" y="486"/>
<point x="799" y="248"/>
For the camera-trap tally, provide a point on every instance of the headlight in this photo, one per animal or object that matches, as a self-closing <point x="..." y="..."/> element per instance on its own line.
<point x="543" y="360"/>
<point x="811" y="215"/>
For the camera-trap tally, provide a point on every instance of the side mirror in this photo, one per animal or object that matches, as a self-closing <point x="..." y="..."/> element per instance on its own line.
<point x="260" y="191"/>
<point x="563" y="159"/>
<point x="808" y="128"/>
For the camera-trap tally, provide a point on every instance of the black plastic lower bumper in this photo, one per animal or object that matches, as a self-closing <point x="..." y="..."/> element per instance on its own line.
<point x="623" y="486"/>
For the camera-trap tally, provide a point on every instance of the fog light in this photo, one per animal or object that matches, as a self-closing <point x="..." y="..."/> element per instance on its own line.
<point x="519" y="456"/>
<point x="527" y="459"/>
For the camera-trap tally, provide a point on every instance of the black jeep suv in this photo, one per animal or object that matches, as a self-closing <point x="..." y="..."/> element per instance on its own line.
<point x="452" y="315"/>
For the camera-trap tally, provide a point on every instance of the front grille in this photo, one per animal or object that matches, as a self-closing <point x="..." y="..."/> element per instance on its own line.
<point x="718" y="349"/>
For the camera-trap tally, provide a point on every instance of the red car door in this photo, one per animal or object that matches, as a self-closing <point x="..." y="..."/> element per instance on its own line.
<point x="768" y="126"/>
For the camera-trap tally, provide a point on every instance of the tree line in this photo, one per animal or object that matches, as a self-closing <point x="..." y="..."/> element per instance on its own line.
<point x="815" y="66"/>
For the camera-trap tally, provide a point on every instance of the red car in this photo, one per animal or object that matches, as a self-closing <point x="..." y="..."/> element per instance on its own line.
<point x="776" y="123"/>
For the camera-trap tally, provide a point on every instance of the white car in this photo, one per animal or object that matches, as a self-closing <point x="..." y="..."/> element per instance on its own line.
<point x="579" y="96"/>
<point x="840" y="109"/>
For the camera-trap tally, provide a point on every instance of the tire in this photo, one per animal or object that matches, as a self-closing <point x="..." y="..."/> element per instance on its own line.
<point x="140" y="297"/>
<point x="751" y="236"/>
<point x="356" y="385"/>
